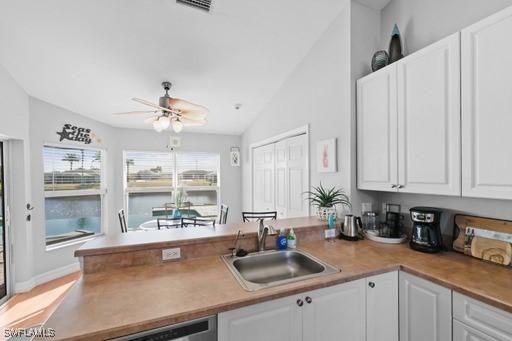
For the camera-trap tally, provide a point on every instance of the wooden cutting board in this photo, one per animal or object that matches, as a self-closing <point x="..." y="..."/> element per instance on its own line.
<point x="496" y="251"/>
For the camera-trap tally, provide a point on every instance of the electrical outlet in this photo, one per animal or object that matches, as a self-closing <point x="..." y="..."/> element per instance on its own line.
<point x="171" y="254"/>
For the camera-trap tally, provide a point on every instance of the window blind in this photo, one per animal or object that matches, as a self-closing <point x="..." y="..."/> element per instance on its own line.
<point x="71" y="168"/>
<point x="149" y="169"/>
<point x="197" y="169"/>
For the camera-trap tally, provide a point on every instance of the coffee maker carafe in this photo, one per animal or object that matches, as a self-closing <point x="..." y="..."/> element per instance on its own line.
<point x="426" y="230"/>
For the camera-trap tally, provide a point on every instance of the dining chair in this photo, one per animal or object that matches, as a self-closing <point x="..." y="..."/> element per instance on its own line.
<point x="257" y="216"/>
<point x="168" y="223"/>
<point x="122" y="221"/>
<point x="223" y="216"/>
<point x="186" y="222"/>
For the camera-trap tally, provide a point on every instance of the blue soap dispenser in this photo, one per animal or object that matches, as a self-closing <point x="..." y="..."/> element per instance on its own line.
<point x="281" y="240"/>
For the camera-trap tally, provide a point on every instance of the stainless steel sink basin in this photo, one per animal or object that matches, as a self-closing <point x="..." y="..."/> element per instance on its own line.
<point x="271" y="268"/>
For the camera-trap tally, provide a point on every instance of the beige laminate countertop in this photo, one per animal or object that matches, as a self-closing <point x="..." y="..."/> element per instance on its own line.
<point x="125" y="301"/>
<point x="141" y="240"/>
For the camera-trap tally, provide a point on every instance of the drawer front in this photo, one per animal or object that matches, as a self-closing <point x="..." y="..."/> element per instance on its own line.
<point x="461" y="332"/>
<point x="492" y="321"/>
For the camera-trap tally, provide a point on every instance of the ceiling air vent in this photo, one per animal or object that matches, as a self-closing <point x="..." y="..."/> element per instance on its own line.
<point x="205" y="5"/>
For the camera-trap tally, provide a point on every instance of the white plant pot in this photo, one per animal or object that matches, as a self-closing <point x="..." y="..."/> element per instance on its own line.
<point x="323" y="212"/>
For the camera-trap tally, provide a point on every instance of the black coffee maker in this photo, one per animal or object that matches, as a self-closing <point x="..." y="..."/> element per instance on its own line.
<point x="426" y="230"/>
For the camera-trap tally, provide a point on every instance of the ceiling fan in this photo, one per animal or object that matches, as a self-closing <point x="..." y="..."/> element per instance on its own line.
<point x="170" y="111"/>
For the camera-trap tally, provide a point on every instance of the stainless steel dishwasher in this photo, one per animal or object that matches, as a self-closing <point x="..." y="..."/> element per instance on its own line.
<point x="204" y="329"/>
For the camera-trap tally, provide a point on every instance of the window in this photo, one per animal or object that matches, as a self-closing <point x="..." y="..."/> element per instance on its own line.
<point x="153" y="177"/>
<point x="74" y="191"/>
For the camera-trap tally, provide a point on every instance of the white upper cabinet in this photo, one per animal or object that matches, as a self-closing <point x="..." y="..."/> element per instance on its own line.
<point x="487" y="108"/>
<point x="429" y="119"/>
<point x="377" y="131"/>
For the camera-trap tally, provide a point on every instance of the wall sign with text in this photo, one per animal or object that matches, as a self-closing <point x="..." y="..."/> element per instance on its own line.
<point x="77" y="134"/>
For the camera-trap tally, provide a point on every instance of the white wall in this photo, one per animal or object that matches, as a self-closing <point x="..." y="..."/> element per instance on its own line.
<point x="364" y="41"/>
<point x="14" y="124"/>
<point x="422" y="23"/>
<point x="316" y="93"/>
<point x="46" y="119"/>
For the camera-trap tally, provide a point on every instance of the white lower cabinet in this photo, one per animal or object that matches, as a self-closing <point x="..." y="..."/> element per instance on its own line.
<point x="382" y="307"/>
<point x="482" y="318"/>
<point x="461" y="332"/>
<point x="329" y="314"/>
<point x="279" y="320"/>
<point x="335" y="313"/>
<point x="425" y="310"/>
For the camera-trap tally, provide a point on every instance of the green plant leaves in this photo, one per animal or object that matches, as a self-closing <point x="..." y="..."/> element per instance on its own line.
<point x="322" y="197"/>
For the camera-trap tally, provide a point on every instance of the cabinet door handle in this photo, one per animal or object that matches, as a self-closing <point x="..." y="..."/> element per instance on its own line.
<point x="300" y="303"/>
<point x="400" y="186"/>
<point x="371" y="285"/>
<point x="309" y="300"/>
<point x="394" y="186"/>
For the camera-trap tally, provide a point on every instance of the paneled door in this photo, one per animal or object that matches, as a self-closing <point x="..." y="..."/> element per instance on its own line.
<point x="3" y="232"/>
<point x="377" y="131"/>
<point x="425" y="310"/>
<point x="335" y="313"/>
<point x="277" y="320"/>
<point x="487" y="108"/>
<point x="296" y="176"/>
<point x="263" y="178"/>
<point x="429" y="119"/>
<point x="281" y="157"/>
<point x="280" y="177"/>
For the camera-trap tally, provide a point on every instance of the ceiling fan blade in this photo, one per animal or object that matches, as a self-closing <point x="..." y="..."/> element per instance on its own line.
<point x="151" y="119"/>
<point x="186" y="106"/>
<point x="193" y="123"/>
<point x="193" y="115"/>
<point x="156" y="106"/>
<point x="134" y="112"/>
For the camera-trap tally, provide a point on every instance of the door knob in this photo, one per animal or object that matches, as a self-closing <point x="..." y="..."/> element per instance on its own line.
<point x="300" y="303"/>
<point x="371" y="285"/>
<point x="309" y="300"/>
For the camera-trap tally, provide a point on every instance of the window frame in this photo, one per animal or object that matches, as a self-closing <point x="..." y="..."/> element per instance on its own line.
<point x="158" y="189"/>
<point x="101" y="192"/>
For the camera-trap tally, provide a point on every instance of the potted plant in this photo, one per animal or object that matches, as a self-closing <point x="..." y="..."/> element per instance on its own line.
<point x="326" y="200"/>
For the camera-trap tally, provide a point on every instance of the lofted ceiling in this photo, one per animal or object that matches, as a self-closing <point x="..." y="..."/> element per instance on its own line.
<point x="93" y="56"/>
<point x="375" y="4"/>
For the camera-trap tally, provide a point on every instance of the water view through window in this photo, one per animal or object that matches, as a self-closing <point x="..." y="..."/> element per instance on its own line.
<point x="153" y="176"/>
<point x="73" y="193"/>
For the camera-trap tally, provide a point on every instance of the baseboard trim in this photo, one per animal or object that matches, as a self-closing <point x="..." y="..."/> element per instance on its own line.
<point x="28" y="285"/>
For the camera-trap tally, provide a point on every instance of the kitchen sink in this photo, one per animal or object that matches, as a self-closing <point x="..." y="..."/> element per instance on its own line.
<point x="261" y="270"/>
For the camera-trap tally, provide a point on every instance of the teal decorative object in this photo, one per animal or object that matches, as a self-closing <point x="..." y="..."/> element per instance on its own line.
<point x="395" y="45"/>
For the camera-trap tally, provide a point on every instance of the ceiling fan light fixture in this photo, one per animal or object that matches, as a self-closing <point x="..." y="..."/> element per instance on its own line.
<point x="157" y="125"/>
<point x="177" y="126"/>
<point x="165" y="122"/>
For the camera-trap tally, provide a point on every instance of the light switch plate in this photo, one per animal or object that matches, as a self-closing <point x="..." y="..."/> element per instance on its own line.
<point x="171" y="254"/>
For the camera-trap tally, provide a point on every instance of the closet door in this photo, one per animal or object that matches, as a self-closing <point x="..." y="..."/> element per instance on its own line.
<point x="429" y="119"/>
<point x="377" y="131"/>
<point x="297" y="176"/>
<point x="281" y="156"/>
<point x="263" y="178"/>
<point x="487" y="108"/>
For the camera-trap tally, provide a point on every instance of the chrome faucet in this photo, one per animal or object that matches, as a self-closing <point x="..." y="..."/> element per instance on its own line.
<point x="263" y="232"/>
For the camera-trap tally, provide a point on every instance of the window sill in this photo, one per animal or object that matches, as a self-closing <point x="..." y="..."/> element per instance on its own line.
<point x="71" y="242"/>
